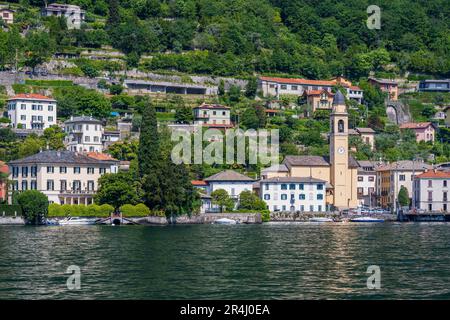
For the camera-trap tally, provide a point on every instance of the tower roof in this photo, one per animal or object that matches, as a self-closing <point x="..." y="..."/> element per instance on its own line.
<point x="339" y="99"/>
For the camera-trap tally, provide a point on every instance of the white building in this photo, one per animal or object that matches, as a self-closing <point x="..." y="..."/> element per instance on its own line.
<point x="212" y="115"/>
<point x="73" y="14"/>
<point x="294" y="194"/>
<point x="272" y="86"/>
<point x="431" y="191"/>
<point x="65" y="177"/>
<point x="84" y="134"/>
<point x="7" y="15"/>
<point x="230" y="181"/>
<point x="31" y="111"/>
<point x="366" y="185"/>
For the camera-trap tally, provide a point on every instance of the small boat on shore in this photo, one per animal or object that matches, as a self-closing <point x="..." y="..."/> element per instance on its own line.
<point x="75" y="221"/>
<point x="225" y="221"/>
<point x="366" y="219"/>
<point x="319" y="219"/>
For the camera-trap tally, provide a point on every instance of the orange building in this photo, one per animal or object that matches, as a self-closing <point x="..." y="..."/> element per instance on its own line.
<point x="3" y="180"/>
<point x="386" y="85"/>
<point x="319" y="99"/>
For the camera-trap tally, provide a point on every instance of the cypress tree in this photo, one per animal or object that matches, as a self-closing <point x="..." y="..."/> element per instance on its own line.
<point x="113" y="14"/>
<point x="148" y="153"/>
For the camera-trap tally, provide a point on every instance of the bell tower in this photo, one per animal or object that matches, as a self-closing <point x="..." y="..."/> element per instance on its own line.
<point x="340" y="173"/>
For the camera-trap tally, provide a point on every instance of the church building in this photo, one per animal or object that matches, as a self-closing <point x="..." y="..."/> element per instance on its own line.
<point x="338" y="171"/>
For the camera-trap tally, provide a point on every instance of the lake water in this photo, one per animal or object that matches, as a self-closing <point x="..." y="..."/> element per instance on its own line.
<point x="270" y="261"/>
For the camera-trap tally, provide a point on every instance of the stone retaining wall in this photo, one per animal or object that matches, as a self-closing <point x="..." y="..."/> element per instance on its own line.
<point x="12" y="221"/>
<point x="206" y="218"/>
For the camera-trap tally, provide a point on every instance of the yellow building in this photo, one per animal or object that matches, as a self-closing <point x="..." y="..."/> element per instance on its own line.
<point x="339" y="170"/>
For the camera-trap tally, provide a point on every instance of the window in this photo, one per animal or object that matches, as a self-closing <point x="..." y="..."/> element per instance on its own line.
<point x="444" y="196"/>
<point x="284" y="196"/>
<point x="50" y="169"/>
<point x="283" y="208"/>
<point x="91" y="171"/>
<point x="430" y="195"/>
<point x="360" y="191"/>
<point x="341" y="126"/>
<point x="24" y="172"/>
<point x="301" y="197"/>
<point x="63" y="185"/>
<point x="292" y="186"/>
<point x="311" y="208"/>
<point x="430" y="183"/>
<point x="76" y="185"/>
<point x="33" y="185"/>
<point x="295" y="88"/>
<point x="283" y="87"/>
<point x="430" y="207"/>
<point x="283" y="186"/>
<point x="444" y="183"/>
<point x="223" y="113"/>
<point x="267" y="197"/>
<point x="24" y="185"/>
<point x="50" y="185"/>
<point x="15" y="172"/>
<point x="23" y="117"/>
<point x="90" y="185"/>
<point x="102" y="170"/>
<point x="87" y="139"/>
<point x="33" y="171"/>
<point x="95" y="139"/>
<point x="50" y="119"/>
<point x="320" y="187"/>
<point x="266" y="186"/>
<point x="302" y="208"/>
<point x="62" y="169"/>
<point x="360" y="179"/>
<point x="401" y="177"/>
<point x="23" y="107"/>
<point x="50" y="107"/>
<point x="371" y="178"/>
<point x="320" y="197"/>
<point x="301" y="186"/>
<point x="319" y="208"/>
<point x="76" y="170"/>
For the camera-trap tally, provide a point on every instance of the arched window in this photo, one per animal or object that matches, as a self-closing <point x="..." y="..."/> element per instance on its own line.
<point x="341" y="126"/>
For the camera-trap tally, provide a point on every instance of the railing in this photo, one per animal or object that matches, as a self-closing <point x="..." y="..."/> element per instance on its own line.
<point x="77" y="192"/>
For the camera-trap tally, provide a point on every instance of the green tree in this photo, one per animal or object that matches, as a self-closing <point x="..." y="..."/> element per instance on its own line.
<point x="34" y="205"/>
<point x="54" y="137"/>
<point x="183" y="114"/>
<point x="31" y="145"/>
<point x="221" y="198"/>
<point x="403" y="197"/>
<point x="39" y="47"/>
<point x="250" y="119"/>
<point x="250" y="201"/>
<point x="148" y="153"/>
<point x="250" y="89"/>
<point x="117" y="189"/>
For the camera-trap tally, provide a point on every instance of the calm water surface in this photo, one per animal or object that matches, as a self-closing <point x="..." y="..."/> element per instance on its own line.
<point x="271" y="261"/>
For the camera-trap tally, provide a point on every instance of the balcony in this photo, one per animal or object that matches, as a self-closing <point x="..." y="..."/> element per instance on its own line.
<point x="77" y="192"/>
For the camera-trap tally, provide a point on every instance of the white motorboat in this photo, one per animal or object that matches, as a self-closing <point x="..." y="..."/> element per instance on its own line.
<point x="225" y="221"/>
<point x="73" y="221"/>
<point x="366" y="219"/>
<point x="319" y="219"/>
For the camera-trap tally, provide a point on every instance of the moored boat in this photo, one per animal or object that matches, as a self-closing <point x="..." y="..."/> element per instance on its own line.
<point x="76" y="221"/>
<point x="225" y="221"/>
<point x="366" y="219"/>
<point x="319" y="219"/>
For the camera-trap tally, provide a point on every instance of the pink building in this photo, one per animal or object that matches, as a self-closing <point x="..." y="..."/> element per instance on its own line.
<point x="3" y="180"/>
<point x="425" y="131"/>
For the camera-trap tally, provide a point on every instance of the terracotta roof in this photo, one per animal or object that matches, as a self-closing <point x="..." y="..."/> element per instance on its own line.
<point x="199" y="183"/>
<point x="318" y="92"/>
<point x="100" y="156"/>
<point x="415" y="125"/>
<point x="355" y="88"/>
<point x="300" y="81"/>
<point x="31" y="96"/>
<point x="228" y="175"/>
<point x="271" y="110"/>
<point x="434" y="175"/>
<point x="218" y="125"/>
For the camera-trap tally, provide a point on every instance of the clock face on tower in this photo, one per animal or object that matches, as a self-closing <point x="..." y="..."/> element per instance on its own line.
<point x="341" y="150"/>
